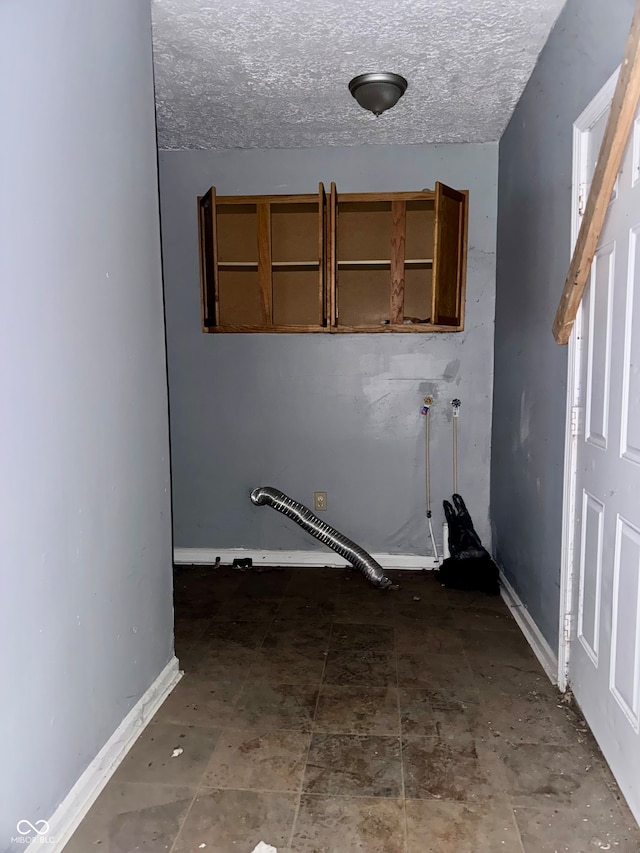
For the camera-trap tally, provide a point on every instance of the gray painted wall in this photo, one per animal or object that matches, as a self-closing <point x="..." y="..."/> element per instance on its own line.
<point x="312" y="412"/>
<point x="86" y="622"/>
<point x="534" y="250"/>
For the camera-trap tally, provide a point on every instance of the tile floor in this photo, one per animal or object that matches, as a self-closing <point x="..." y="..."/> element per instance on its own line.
<point x="321" y="715"/>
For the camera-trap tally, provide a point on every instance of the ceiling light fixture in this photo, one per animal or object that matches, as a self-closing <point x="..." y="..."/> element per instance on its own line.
<point x="378" y="92"/>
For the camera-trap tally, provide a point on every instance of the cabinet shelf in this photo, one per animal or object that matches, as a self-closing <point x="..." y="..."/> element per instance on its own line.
<point x="408" y="262"/>
<point x="312" y="263"/>
<point x="274" y="264"/>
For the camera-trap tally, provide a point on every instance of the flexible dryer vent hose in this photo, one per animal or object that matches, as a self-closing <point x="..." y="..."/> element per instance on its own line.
<point x="302" y="515"/>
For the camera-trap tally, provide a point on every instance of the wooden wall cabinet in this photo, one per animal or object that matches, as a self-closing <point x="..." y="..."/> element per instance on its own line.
<point x="367" y="262"/>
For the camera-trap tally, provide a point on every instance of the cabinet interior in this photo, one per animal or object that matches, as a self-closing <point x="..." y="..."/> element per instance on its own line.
<point x="339" y="263"/>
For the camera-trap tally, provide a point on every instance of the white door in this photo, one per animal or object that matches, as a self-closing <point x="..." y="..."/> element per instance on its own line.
<point x="604" y="662"/>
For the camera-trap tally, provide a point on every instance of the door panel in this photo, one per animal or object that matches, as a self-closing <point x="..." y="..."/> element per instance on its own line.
<point x="604" y="668"/>
<point x="322" y="256"/>
<point x="599" y="347"/>
<point x="631" y="384"/>
<point x="625" y="648"/>
<point x="590" y="575"/>
<point x="332" y="263"/>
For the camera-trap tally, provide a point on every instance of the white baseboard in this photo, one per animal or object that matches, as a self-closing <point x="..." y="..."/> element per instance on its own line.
<point x="85" y="792"/>
<point x="541" y="648"/>
<point x="301" y="559"/>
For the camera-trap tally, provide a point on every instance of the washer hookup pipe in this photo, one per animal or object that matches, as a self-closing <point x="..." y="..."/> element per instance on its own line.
<point x="426" y="411"/>
<point x="329" y="536"/>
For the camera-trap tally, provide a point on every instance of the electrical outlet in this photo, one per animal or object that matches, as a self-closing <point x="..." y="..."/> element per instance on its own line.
<point x="319" y="501"/>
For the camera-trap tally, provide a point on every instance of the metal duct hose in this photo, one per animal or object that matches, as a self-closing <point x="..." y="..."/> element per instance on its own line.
<point x="329" y="536"/>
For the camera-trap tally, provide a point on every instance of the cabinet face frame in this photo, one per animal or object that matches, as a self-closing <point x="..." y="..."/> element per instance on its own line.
<point x="448" y="264"/>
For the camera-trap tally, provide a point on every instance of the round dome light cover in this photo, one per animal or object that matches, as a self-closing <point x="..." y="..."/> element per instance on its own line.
<point x="378" y="92"/>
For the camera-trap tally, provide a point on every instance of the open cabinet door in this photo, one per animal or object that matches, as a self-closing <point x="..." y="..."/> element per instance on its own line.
<point x="208" y="259"/>
<point x="332" y="255"/>
<point x="449" y="257"/>
<point x="323" y="246"/>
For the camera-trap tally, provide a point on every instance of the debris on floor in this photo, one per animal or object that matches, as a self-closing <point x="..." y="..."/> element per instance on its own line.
<point x="302" y="682"/>
<point x="177" y="751"/>
<point x="245" y="564"/>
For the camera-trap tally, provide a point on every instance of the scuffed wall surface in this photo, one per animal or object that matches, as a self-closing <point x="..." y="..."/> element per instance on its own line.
<point x="534" y="250"/>
<point x="336" y="413"/>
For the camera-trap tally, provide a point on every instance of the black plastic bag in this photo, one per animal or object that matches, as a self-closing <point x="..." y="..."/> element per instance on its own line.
<point x="470" y="565"/>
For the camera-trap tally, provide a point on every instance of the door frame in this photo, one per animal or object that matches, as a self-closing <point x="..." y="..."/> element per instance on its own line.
<point x="579" y="187"/>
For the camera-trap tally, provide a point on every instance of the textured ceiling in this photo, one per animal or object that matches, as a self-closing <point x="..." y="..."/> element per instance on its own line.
<point x="274" y="73"/>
